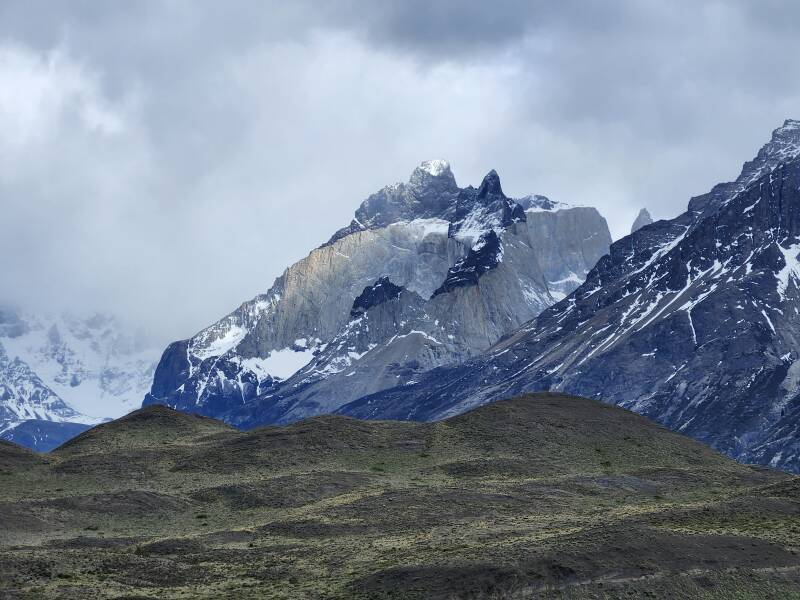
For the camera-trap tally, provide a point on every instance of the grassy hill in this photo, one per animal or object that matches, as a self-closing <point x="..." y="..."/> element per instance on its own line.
<point x="542" y="496"/>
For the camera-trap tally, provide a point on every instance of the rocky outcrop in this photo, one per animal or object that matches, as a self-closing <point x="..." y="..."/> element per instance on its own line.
<point x="642" y="219"/>
<point x="426" y="274"/>
<point x="692" y="322"/>
<point x="381" y="291"/>
<point x="430" y="193"/>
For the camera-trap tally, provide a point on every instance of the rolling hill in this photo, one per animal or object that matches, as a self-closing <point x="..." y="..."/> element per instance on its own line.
<point x="544" y="495"/>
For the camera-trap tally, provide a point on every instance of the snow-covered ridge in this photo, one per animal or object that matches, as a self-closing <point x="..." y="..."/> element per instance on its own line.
<point x="783" y="147"/>
<point x="533" y="203"/>
<point x="791" y="270"/>
<point x="93" y="364"/>
<point x="422" y="228"/>
<point x="279" y="364"/>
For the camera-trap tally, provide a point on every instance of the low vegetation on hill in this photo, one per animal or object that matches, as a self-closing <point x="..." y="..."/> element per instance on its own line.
<point x="542" y="496"/>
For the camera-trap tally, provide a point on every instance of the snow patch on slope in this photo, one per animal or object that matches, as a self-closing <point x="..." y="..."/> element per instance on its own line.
<point x="791" y="270"/>
<point x="280" y="364"/>
<point x="435" y="167"/>
<point x="422" y="228"/>
<point x="475" y="224"/>
<point x="219" y="346"/>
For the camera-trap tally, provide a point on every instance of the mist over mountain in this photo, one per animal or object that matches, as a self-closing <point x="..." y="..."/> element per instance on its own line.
<point x="237" y="361"/>
<point x="60" y="374"/>
<point x="167" y="177"/>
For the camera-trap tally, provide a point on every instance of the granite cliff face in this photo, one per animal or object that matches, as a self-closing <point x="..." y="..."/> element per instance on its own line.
<point x="694" y="322"/>
<point x="426" y="274"/>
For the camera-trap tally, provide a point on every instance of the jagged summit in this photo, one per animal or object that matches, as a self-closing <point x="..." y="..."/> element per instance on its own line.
<point x="432" y="193"/>
<point x="642" y="220"/>
<point x="783" y="146"/>
<point x="490" y="186"/>
<point x="789" y="130"/>
<point x="430" y="178"/>
<point x="438" y="167"/>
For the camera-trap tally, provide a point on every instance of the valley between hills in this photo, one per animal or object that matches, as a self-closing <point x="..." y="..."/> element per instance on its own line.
<point x="541" y="496"/>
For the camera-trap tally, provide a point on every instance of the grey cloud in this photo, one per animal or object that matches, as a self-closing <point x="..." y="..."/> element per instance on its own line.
<point x="250" y="131"/>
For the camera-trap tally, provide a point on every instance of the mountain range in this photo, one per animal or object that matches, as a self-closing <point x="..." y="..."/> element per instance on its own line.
<point x="426" y="274"/>
<point x="436" y="299"/>
<point x="59" y="374"/>
<point x="692" y="322"/>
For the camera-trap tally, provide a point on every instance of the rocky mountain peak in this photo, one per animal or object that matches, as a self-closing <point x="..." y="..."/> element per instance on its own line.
<point x="789" y="129"/>
<point x="391" y="295"/>
<point x="642" y="220"/>
<point x="490" y="186"/>
<point x="438" y="167"/>
<point x="783" y="146"/>
<point x="433" y="176"/>
<point x="431" y="188"/>
<point x="429" y="193"/>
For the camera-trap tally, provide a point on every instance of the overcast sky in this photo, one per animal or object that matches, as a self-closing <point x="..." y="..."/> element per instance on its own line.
<point x="166" y="160"/>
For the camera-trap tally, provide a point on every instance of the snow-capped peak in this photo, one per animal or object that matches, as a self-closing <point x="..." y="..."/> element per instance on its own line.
<point x="789" y="125"/>
<point x="436" y="167"/>
<point x="785" y="143"/>
<point x="783" y="147"/>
